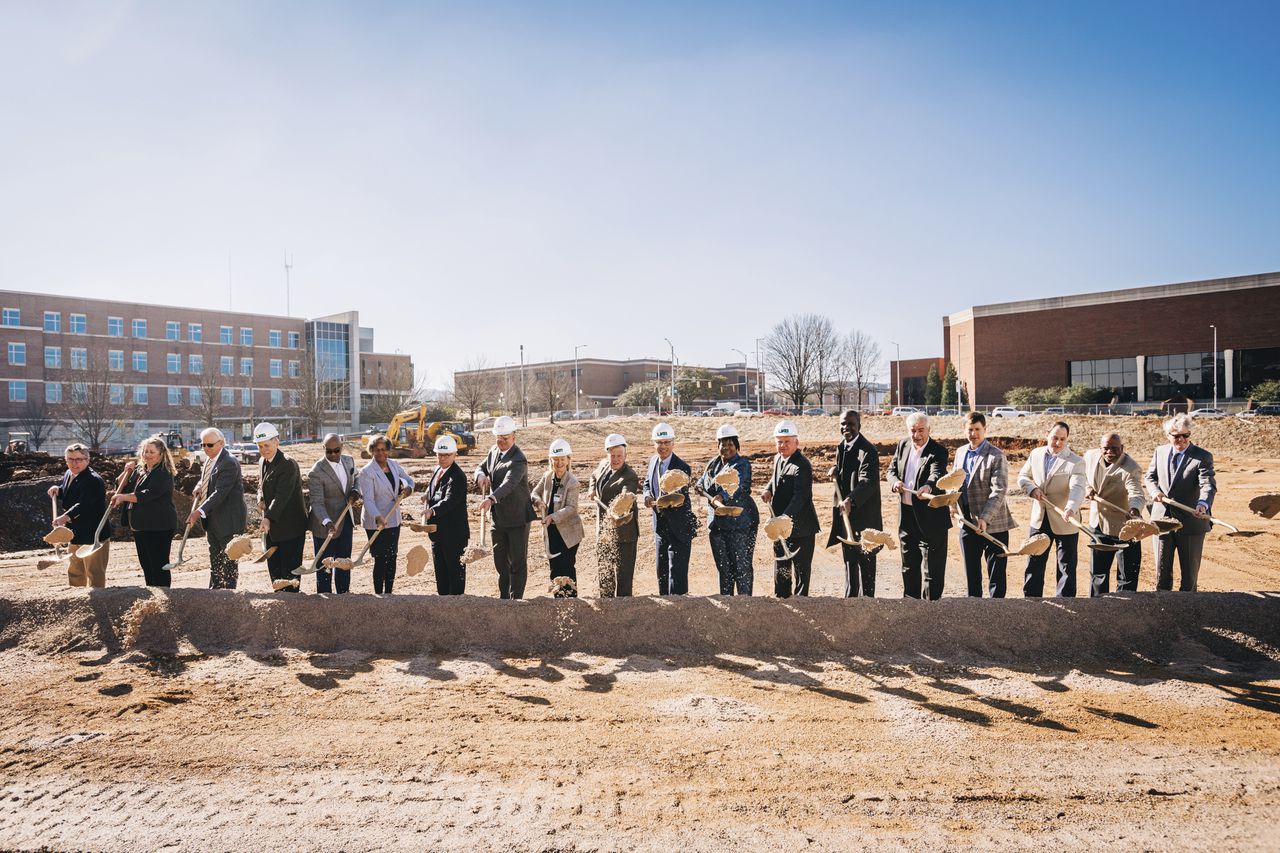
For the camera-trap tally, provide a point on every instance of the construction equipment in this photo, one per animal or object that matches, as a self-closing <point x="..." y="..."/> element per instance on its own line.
<point x="173" y="441"/>
<point x="19" y="442"/>
<point x="413" y="436"/>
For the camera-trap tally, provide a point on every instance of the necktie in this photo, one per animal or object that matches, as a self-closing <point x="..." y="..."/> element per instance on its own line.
<point x="1175" y="459"/>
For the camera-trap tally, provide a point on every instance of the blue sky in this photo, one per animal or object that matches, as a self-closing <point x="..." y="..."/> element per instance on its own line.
<point x="473" y="176"/>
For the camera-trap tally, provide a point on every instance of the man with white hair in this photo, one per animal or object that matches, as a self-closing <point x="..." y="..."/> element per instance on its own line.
<point x="918" y="463"/>
<point x="219" y="502"/>
<point x="504" y="477"/>
<point x="284" y="515"/>
<point x="1183" y="472"/>
<point x="1054" y="474"/>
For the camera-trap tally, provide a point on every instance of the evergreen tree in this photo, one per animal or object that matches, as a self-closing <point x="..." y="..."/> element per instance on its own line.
<point x="932" y="387"/>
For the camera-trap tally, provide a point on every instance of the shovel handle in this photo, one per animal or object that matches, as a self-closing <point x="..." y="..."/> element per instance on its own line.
<point x="376" y="533"/>
<point x="101" y="524"/>
<point x="987" y="536"/>
<point x="1109" y="504"/>
<point x="1073" y="522"/>
<point x="324" y="546"/>
<point x="1171" y="502"/>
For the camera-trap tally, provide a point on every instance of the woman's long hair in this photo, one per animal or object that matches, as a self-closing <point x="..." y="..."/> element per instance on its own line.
<point x="166" y="458"/>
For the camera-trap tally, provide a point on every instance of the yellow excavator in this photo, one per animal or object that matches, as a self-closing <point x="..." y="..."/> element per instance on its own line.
<point x="413" y="436"/>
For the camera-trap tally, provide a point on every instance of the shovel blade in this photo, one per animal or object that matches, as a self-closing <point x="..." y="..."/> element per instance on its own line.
<point x="265" y="555"/>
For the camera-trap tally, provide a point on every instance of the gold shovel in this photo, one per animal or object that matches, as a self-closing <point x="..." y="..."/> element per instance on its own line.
<point x="1234" y="530"/>
<point x="481" y="551"/>
<point x="324" y="546"/>
<point x="1033" y="547"/>
<point x="1096" y="542"/>
<point x="1133" y="529"/>
<point x="847" y="539"/>
<point x="340" y="563"/>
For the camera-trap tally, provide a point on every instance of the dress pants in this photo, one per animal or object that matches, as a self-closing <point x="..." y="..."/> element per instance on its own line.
<point x="859" y="570"/>
<point x="1188" y="547"/>
<point x="153" y="555"/>
<point x="976" y="551"/>
<point x="340" y="547"/>
<point x="80" y="574"/>
<point x="565" y="562"/>
<point x="511" y="558"/>
<point x="616" y="564"/>
<point x="224" y="573"/>
<point x="797" y="568"/>
<point x="921" y="551"/>
<point x="1065" y="545"/>
<point x="673" y="564"/>
<point x="1126" y="569"/>
<point x="451" y="572"/>
<point x="384" y="551"/>
<point x="731" y="549"/>
<point x="288" y="556"/>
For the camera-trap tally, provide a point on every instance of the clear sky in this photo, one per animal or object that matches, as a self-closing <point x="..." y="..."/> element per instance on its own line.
<point x="472" y="176"/>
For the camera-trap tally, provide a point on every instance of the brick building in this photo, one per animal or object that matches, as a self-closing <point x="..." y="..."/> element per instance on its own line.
<point x="1141" y="344"/>
<point x="163" y="364"/>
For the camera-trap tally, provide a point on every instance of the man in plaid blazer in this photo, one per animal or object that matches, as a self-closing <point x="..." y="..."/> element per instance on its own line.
<point x="982" y="503"/>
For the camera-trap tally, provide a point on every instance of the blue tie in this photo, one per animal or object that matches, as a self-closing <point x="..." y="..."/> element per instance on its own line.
<point x="1174" y="460"/>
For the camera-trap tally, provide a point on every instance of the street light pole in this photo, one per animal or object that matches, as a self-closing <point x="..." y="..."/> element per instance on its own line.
<point x="897" y="397"/>
<point x="744" y="374"/>
<point x="577" y="388"/>
<point x="672" y="396"/>
<point x="759" y="381"/>
<point x="1215" y="365"/>
<point x="524" y="401"/>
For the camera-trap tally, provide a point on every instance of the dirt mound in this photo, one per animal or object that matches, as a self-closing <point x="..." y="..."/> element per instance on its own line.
<point x="1115" y="630"/>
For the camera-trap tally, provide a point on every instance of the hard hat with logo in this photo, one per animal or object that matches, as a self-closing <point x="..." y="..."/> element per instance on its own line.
<point x="613" y="440"/>
<point x="560" y="448"/>
<point x="726" y="431"/>
<point x="446" y="444"/>
<point x="504" y="425"/>
<point x="663" y="432"/>
<point x="265" y="432"/>
<point x="786" y="429"/>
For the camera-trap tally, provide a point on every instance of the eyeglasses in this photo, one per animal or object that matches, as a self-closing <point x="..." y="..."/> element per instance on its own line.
<point x="1179" y="435"/>
<point x="210" y="443"/>
<point x="329" y="450"/>
<point x="77" y="458"/>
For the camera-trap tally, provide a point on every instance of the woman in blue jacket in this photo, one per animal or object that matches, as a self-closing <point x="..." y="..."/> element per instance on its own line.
<point x="733" y="538"/>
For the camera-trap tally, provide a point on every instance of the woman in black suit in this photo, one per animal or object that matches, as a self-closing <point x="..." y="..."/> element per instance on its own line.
<point x="146" y="490"/>
<point x="445" y="504"/>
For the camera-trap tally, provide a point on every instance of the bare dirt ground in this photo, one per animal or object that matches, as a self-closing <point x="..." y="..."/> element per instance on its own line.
<point x="246" y="721"/>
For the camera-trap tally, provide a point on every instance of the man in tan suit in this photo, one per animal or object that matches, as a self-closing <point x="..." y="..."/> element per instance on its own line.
<point x="1054" y="473"/>
<point x="1114" y="476"/>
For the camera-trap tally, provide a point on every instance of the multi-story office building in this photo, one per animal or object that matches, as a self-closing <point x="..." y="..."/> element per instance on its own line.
<point x="174" y="368"/>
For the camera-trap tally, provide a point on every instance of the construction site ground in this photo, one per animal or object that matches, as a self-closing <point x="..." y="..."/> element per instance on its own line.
<point x="195" y="719"/>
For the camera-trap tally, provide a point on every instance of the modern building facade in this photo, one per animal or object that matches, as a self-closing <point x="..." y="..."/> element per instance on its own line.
<point x="173" y="368"/>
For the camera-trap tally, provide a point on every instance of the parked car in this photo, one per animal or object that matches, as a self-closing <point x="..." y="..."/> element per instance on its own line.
<point x="485" y="424"/>
<point x="1269" y="409"/>
<point x="1055" y="410"/>
<point x="585" y="415"/>
<point x="1208" y="413"/>
<point x="814" y="410"/>
<point x="1138" y="413"/>
<point x="1009" y="412"/>
<point x="246" y="453"/>
<point x="948" y="413"/>
<point x="778" y="412"/>
<point x="746" y="413"/>
<point x="562" y="415"/>
<point x="902" y="411"/>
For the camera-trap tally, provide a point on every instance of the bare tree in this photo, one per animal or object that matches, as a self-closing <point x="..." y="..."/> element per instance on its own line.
<point x="475" y="388"/>
<point x="206" y="406"/>
<point x="96" y="410"/>
<point x="391" y="402"/>
<point x="553" y="387"/>
<point x="36" y="418"/>
<point x="863" y="356"/>
<point x="312" y="394"/>
<point x="826" y="347"/>
<point x="791" y="352"/>
<point x="842" y="374"/>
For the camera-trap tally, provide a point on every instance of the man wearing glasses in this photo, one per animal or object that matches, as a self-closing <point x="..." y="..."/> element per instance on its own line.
<point x="1183" y="472"/>
<point x="82" y="494"/>
<point x="221" y="507"/>
<point x="332" y="482"/>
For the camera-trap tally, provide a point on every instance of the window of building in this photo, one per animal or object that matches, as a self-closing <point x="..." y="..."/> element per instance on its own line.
<point x="173" y="362"/>
<point x="228" y="396"/>
<point x="77" y="324"/>
<point x="115" y="359"/>
<point x="295" y="369"/>
<point x="139" y="328"/>
<point x="53" y="392"/>
<point x="226" y="366"/>
<point x="140" y="395"/>
<point x="246" y="397"/>
<point x="53" y="357"/>
<point x="11" y="317"/>
<point x="193" y="395"/>
<point x="224" y="334"/>
<point x="246" y="336"/>
<point x="277" y="368"/>
<point x="173" y="331"/>
<point x="175" y="395"/>
<point x="115" y="395"/>
<point x="140" y="362"/>
<point x="115" y="327"/>
<point x="293" y="340"/>
<point x="246" y="367"/>
<point x="17" y="390"/>
<point x="1117" y="375"/>
<point x="52" y="321"/>
<point x="17" y="354"/>
<point x="1189" y="374"/>
<point x="195" y="364"/>
<point x="1253" y="366"/>
<point x="277" y="397"/>
<point x="195" y="333"/>
<point x="79" y="358"/>
<point x="293" y="399"/>
<point x="273" y="337"/>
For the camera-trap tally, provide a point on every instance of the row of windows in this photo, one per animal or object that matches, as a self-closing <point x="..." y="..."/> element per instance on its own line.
<point x="173" y="362"/>
<point x="141" y="394"/>
<point x="1165" y="376"/>
<point x="77" y="324"/>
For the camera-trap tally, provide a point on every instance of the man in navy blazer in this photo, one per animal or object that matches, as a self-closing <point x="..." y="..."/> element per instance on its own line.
<point x="673" y="526"/>
<point x="1184" y="472"/>
<point x="918" y="463"/>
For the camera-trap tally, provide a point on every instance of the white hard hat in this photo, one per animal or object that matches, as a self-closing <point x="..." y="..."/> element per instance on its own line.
<point x="504" y="425"/>
<point x="559" y="448"/>
<point x="726" y="431"/>
<point x="265" y="432"/>
<point x="613" y="440"/>
<point x="446" y="444"/>
<point x="786" y="429"/>
<point x="663" y="432"/>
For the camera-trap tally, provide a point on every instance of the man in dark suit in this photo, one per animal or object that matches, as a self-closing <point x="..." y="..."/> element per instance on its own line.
<point x="790" y="494"/>
<point x="857" y="492"/>
<point x="674" y="525"/>
<point x="445" y="505"/>
<point x="221" y="507"/>
<point x="83" y="497"/>
<point x="917" y="464"/>
<point x="1184" y="472"/>
<point x="284" y="515"/>
<point x="332" y="483"/>
<point x="504" y="475"/>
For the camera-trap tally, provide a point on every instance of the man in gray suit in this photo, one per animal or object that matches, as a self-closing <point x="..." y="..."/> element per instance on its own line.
<point x="983" y="504"/>
<point x="332" y="482"/>
<point x="221" y="507"/>
<point x="1183" y="472"/>
<point x="504" y="476"/>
